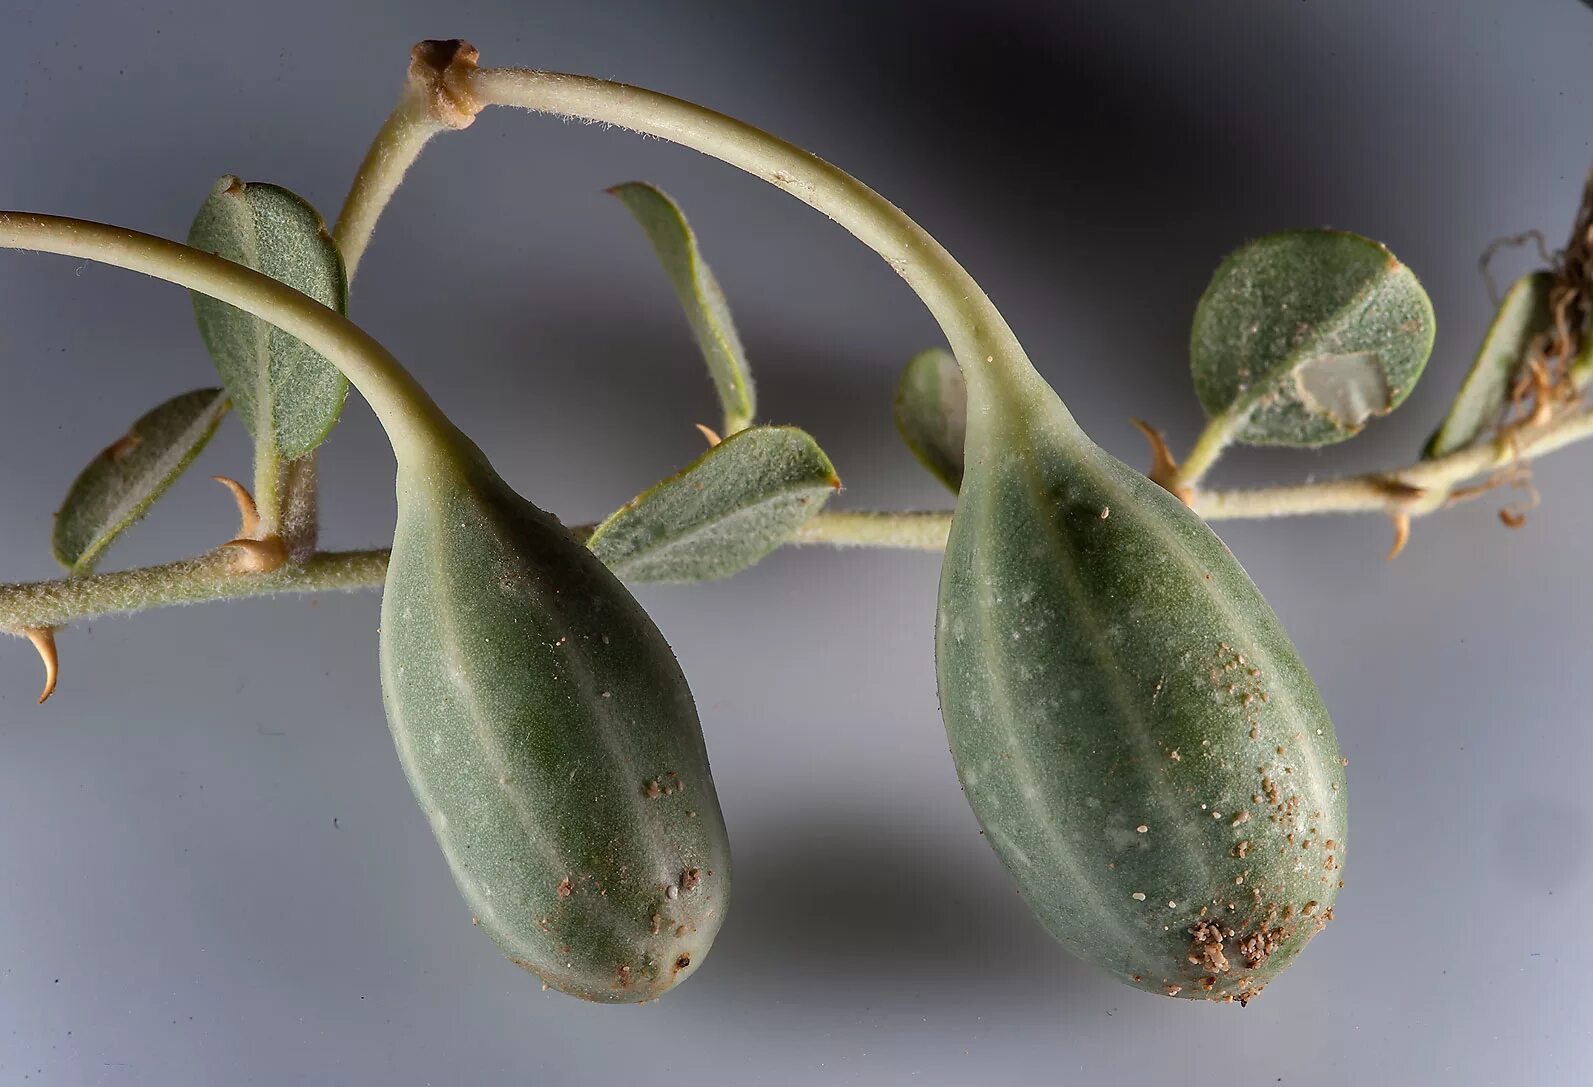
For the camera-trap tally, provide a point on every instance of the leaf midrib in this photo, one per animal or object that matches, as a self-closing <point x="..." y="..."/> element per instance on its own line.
<point x="1245" y="404"/>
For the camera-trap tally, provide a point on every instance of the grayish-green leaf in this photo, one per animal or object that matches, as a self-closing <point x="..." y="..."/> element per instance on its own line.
<point x="736" y="503"/>
<point x="120" y="484"/>
<point x="1304" y="336"/>
<point x="932" y="413"/>
<point x="699" y="294"/>
<point x="287" y="395"/>
<point x="1523" y="315"/>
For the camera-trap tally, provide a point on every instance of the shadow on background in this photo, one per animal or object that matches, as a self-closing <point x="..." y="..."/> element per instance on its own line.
<point x="888" y="909"/>
<point x="1133" y="173"/>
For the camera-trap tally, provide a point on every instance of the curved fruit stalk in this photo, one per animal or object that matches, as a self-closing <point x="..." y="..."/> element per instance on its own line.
<point x="540" y="716"/>
<point x="1136" y="734"/>
<point x="550" y="737"/>
<point x="1103" y="659"/>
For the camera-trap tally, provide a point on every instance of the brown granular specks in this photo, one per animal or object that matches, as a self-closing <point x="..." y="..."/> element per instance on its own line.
<point x="1259" y="944"/>
<point x="657" y="923"/>
<point x="1231" y="676"/>
<point x="1242" y="849"/>
<point x="653" y="789"/>
<point x="566" y="888"/>
<point x="1171" y="989"/>
<point x="1206" y="946"/>
<point x="690" y="878"/>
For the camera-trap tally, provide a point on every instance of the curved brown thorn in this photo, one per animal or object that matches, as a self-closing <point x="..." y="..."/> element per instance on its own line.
<point x="43" y="639"/>
<point x="1164" y="466"/>
<point x="256" y="554"/>
<point x="248" y="514"/>
<point x="710" y="433"/>
<point x="1401" y="534"/>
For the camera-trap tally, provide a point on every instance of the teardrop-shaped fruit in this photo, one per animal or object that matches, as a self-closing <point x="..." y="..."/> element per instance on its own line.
<point x="550" y="737"/>
<point x="1132" y="726"/>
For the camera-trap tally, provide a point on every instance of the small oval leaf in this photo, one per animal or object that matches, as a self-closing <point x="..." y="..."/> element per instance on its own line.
<point x="736" y="503"/>
<point x="1523" y="315"/>
<point x="120" y="484"/>
<point x="700" y="296"/>
<point x="1304" y="336"/>
<point x="287" y="395"/>
<point x="932" y="413"/>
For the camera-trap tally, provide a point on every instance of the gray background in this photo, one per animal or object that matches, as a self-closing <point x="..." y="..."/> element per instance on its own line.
<point x="211" y="869"/>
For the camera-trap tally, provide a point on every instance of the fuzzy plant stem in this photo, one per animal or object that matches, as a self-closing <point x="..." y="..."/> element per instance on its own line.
<point x="445" y="90"/>
<point x="1413" y="492"/>
<point x="432" y="101"/>
<point x="211" y="576"/>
